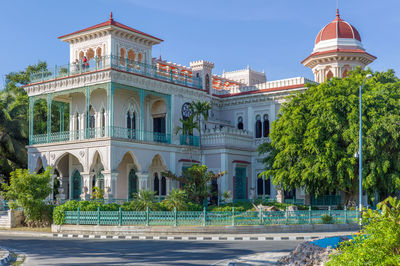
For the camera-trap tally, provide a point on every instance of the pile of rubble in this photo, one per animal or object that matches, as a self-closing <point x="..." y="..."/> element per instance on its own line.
<point x="306" y="253"/>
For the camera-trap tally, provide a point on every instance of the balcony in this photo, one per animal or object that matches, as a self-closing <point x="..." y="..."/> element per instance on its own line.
<point x="94" y="133"/>
<point x="189" y="140"/>
<point x="118" y="63"/>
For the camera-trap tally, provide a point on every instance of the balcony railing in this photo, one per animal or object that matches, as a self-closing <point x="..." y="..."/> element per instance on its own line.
<point x="93" y="133"/>
<point x="189" y="140"/>
<point x="115" y="62"/>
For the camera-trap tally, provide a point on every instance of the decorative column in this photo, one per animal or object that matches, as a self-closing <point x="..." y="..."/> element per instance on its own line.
<point x="169" y="131"/>
<point x="61" y="109"/>
<point x="110" y="108"/>
<point x="143" y="177"/>
<point x="87" y="186"/>
<point x="31" y="106"/>
<point x="87" y="114"/>
<point x="110" y="184"/>
<point x="49" y="100"/>
<point x="142" y="95"/>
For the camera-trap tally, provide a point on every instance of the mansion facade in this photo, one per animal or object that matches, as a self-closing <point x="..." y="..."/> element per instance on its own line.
<point x="119" y="108"/>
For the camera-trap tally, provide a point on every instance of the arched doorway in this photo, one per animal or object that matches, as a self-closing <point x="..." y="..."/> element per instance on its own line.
<point x="132" y="183"/>
<point x="76" y="185"/>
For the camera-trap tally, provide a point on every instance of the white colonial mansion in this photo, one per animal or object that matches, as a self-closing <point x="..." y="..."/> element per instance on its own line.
<point x="124" y="106"/>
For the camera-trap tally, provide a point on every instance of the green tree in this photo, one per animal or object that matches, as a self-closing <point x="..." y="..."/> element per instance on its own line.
<point x="144" y="199"/>
<point x="28" y="191"/>
<point x="196" y="180"/>
<point x="315" y="138"/>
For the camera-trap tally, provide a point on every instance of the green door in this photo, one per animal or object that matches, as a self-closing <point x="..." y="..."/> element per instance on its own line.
<point x="240" y="183"/>
<point x="76" y="185"/>
<point x="132" y="183"/>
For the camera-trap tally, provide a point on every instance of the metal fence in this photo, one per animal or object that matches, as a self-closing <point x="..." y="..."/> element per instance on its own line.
<point x="205" y="218"/>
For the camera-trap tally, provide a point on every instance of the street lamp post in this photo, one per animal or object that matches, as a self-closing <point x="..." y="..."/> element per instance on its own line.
<point x="368" y="76"/>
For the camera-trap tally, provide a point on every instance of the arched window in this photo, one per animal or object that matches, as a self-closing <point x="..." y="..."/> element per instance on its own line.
<point x="156" y="184"/>
<point x="140" y="58"/>
<point x="76" y="185"/>
<point x="92" y="119"/>
<point x="329" y="75"/>
<point x="266" y="126"/>
<point x="345" y="73"/>
<point x="131" y="58"/>
<point x="163" y="186"/>
<point x="260" y="186"/>
<point x="240" y="122"/>
<point x="81" y="54"/>
<point x="128" y="120"/>
<point x="122" y="55"/>
<point x="77" y="121"/>
<point x="258" y="126"/>
<point x="263" y="186"/>
<point x="90" y="54"/>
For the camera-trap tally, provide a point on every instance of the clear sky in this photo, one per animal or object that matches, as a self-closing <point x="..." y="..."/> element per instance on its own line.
<point x="270" y="35"/>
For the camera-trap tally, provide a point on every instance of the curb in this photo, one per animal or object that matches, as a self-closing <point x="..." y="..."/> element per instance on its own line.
<point x="190" y="238"/>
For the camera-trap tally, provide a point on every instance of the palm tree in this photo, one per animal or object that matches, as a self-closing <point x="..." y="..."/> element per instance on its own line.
<point x="200" y="112"/>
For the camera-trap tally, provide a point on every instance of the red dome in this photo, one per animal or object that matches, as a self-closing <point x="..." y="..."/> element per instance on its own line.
<point x="338" y="28"/>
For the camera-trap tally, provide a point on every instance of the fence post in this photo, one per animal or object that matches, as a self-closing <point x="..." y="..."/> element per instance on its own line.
<point x="357" y="214"/>
<point x="78" y="217"/>
<point x="204" y="216"/>
<point x="175" y="217"/>
<point x="233" y="216"/>
<point x="345" y="214"/>
<point x="309" y="215"/>
<point x="329" y="211"/>
<point x="147" y="216"/>
<point x="120" y="216"/>
<point x="98" y="215"/>
<point x="287" y="215"/>
<point x="261" y="216"/>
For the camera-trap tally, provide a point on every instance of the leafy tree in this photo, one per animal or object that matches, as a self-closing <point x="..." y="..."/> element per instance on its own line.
<point x="28" y="191"/>
<point x="196" y="180"/>
<point x="314" y="140"/>
<point x="379" y="241"/>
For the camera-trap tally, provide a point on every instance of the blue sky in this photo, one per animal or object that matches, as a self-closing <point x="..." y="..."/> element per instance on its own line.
<point x="269" y="35"/>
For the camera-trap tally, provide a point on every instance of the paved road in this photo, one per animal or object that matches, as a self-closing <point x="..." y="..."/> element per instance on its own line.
<point x="48" y="251"/>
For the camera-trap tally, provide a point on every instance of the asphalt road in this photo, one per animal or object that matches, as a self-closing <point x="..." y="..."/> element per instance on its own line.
<point x="59" y="251"/>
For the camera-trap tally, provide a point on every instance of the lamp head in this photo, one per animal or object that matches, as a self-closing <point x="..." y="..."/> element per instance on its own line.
<point x="368" y="76"/>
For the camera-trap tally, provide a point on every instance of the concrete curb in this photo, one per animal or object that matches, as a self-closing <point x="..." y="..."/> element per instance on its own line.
<point x="190" y="238"/>
<point x="6" y="257"/>
<point x="180" y="237"/>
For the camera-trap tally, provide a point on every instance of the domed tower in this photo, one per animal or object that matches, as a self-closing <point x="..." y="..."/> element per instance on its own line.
<point x="337" y="50"/>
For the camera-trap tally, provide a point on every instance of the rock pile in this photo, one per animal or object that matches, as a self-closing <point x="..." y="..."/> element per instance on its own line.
<point x="306" y="253"/>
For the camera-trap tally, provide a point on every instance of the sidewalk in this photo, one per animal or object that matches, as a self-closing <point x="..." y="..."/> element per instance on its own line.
<point x="183" y="237"/>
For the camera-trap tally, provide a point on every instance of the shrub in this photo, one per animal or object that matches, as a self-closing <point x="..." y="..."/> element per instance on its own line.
<point x="379" y="241"/>
<point x="176" y="199"/>
<point x="28" y="191"/>
<point x="327" y="219"/>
